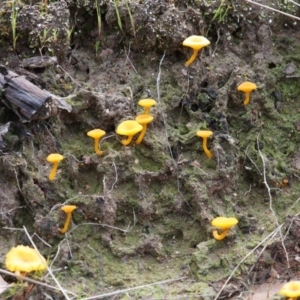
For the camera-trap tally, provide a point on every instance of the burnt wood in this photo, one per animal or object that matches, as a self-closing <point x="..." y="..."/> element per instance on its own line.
<point x="27" y="100"/>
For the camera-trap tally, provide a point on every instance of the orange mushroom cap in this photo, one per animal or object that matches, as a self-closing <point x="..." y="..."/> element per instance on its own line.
<point x="223" y="222"/>
<point x="247" y="87"/>
<point x="291" y="289"/>
<point x="68" y="208"/>
<point x="24" y="259"/>
<point x="146" y="103"/>
<point x="129" y="127"/>
<point x="196" y="42"/>
<point x="204" y="133"/>
<point x="96" y="133"/>
<point x="144" y="119"/>
<point x="54" y="158"/>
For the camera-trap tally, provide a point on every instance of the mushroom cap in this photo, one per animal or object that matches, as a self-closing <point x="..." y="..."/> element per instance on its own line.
<point x="147" y="102"/>
<point x="68" y="208"/>
<point x="204" y="133"/>
<point x="24" y="259"/>
<point x="129" y="127"/>
<point x="54" y="157"/>
<point x="196" y="42"/>
<point x="223" y="222"/>
<point x="144" y="119"/>
<point x="247" y="86"/>
<point x="96" y="133"/>
<point x="291" y="289"/>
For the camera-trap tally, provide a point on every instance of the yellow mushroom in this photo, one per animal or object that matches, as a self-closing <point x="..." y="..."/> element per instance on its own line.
<point x="147" y="103"/>
<point x="291" y="289"/>
<point x="24" y="259"/>
<point x="196" y="42"/>
<point x="144" y="120"/>
<point x="204" y="134"/>
<point x="97" y="134"/>
<point x="129" y="128"/>
<point x="247" y="87"/>
<point x="54" y="158"/>
<point x="224" y="224"/>
<point x="68" y="209"/>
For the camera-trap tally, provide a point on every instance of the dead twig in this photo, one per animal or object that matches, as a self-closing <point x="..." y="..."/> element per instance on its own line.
<point x="134" y="288"/>
<point x="268" y="239"/>
<point x="64" y="292"/>
<point x="273" y="9"/>
<point x="271" y="201"/>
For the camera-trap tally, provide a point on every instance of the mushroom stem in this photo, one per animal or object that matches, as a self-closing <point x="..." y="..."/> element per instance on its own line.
<point x="97" y="148"/>
<point x="204" y="146"/>
<point x="127" y="141"/>
<point x="67" y="223"/>
<point x="247" y="98"/>
<point x="192" y="58"/>
<point x="53" y="171"/>
<point x="142" y="134"/>
<point x="220" y="236"/>
<point x="147" y="111"/>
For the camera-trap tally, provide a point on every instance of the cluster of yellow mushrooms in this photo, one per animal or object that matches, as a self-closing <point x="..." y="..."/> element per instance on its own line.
<point x="197" y="43"/>
<point x="130" y="128"/>
<point x="23" y="259"/>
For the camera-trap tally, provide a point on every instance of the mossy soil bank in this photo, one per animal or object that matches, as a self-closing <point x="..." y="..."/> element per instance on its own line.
<point x="143" y="211"/>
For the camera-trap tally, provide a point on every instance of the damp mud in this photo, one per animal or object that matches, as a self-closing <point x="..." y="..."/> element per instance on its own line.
<point x="142" y="227"/>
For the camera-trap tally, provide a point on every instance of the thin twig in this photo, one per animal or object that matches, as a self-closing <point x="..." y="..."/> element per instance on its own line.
<point x="128" y="59"/>
<point x="43" y="241"/>
<point x="19" y="188"/>
<point x="218" y="39"/>
<point x="57" y="253"/>
<point x="133" y="288"/>
<point x="8" y="211"/>
<point x="294" y="2"/>
<point x="273" y="9"/>
<point x="270" y="236"/>
<point x="271" y="201"/>
<point x="256" y="167"/>
<point x="97" y="224"/>
<point x="25" y="278"/>
<point x="165" y="125"/>
<point x="116" y="179"/>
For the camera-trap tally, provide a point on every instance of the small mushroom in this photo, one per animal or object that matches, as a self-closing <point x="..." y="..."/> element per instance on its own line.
<point x="224" y="224"/>
<point x="147" y="103"/>
<point x="247" y="87"/>
<point x="144" y="120"/>
<point x="129" y="128"/>
<point x="97" y="134"/>
<point x="54" y="158"/>
<point x="205" y="134"/>
<point x="24" y="259"/>
<point x="291" y="289"/>
<point x="196" y="42"/>
<point x="68" y="209"/>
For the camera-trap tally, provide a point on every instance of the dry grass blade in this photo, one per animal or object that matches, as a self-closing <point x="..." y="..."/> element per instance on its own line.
<point x="30" y="280"/>
<point x="3" y="285"/>
<point x="267" y="238"/>
<point x="271" y="201"/>
<point x="273" y="9"/>
<point x="131" y="18"/>
<point x="134" y="288"/>
<point x="118" y="15"/>
<point x="64" y="292"/>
